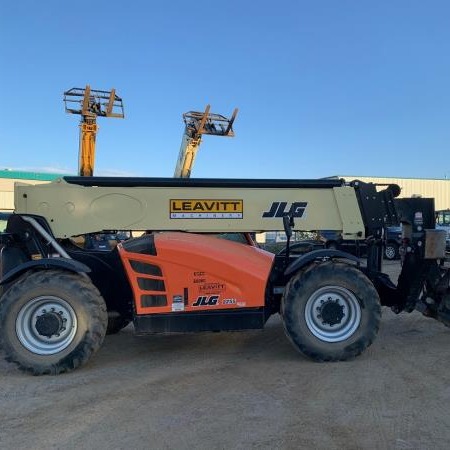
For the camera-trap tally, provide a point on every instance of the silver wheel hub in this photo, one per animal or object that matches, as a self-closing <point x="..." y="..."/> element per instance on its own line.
<point x="46" y="325"/>
<point x="390" y="252"/>
<point x="332" y="313"/>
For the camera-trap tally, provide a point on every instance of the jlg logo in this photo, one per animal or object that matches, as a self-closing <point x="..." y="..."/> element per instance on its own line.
<point x="205" y="300"/>
<point x="280" y="209"/>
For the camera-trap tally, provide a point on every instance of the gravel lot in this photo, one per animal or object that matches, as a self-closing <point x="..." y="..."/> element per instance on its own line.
<point x="239" y="390"/>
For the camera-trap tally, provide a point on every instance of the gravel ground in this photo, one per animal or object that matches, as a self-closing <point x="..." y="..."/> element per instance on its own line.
<point x="239" y="390"/>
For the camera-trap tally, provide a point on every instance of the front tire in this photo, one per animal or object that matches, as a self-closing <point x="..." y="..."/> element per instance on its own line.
<point x="51" y="322"/>
<point x="331" y="311"/>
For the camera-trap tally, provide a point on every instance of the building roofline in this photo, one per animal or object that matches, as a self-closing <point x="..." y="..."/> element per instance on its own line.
<point x="355" y="177"/>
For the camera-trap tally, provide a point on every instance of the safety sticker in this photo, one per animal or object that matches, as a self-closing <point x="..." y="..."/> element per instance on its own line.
<point x="177" y="303"/>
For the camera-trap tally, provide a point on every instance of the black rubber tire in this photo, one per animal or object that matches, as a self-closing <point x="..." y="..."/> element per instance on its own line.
<point x="305" y="286"/>
<point x="116" y="323"/>
<point x="86" y="333"/>
<point x="391" y="251"/>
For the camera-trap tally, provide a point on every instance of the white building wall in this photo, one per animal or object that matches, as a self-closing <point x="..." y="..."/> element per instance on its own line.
<point x="7" y="191"/>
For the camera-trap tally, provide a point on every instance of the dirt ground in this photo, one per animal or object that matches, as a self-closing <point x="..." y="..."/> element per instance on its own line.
<point x="239" y="390"/>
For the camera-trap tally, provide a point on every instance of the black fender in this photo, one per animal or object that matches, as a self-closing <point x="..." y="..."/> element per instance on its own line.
<point x="304" y="260"/>
<point x="45" y="263"/>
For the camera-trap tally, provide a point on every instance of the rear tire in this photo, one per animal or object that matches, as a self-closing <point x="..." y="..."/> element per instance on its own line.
<point x="331" y="311"/>
<point x="51" y="322"/>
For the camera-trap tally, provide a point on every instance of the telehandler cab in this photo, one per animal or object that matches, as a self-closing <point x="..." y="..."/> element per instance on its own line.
<point x="59" y="299"/>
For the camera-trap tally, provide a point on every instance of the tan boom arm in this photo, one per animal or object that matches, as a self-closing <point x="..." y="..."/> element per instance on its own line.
<point x="91" y="204"/>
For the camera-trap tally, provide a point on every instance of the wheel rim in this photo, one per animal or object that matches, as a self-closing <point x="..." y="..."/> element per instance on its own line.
<point x="46" y="325"/>
<point x="390" y="252"/>
<point x="332" y="313"/>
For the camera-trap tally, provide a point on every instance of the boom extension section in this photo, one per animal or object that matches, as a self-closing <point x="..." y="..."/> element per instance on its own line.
<point x="196" y="125"/>
<point x="90" y="104"/>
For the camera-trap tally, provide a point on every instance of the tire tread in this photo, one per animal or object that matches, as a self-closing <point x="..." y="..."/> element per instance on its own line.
<point x="311" y="275"/>
<point x="91" y="301"/>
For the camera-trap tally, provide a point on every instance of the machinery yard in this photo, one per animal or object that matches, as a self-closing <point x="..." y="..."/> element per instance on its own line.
<point x="239" y="390"/>
<point x="246" y="388"/>
<point x="285" y="289"/>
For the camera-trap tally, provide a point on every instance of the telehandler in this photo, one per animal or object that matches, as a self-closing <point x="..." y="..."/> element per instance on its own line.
<point x="59" y="299"/>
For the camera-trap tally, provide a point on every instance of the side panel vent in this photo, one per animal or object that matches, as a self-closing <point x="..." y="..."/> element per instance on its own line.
<point x="151" y="301"/>
<point x="151" y="284"/>
<point x="145" y="268"/>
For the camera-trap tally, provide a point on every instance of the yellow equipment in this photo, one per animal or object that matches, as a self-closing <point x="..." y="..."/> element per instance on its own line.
<point x="197" y="124"/>
<point x="90" y="103"/>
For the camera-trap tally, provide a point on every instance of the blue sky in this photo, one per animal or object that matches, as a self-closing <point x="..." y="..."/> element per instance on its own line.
<point x="323" y="87"/>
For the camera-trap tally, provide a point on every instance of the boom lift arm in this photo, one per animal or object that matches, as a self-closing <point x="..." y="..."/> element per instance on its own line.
<point x="78" y="205"/>
<point x="196" y="125"/>
<point x="90" y="104"/>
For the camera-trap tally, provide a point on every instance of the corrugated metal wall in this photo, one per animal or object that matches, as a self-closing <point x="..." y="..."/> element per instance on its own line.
<point x="437" y="189"/>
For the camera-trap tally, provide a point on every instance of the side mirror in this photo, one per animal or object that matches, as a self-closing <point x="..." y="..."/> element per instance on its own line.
<point x="288" y="224"/>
